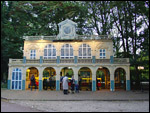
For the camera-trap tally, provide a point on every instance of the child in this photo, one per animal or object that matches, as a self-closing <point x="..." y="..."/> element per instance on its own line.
<point x="76" y="88"/>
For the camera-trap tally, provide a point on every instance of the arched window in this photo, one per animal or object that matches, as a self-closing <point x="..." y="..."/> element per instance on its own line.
<point x="50" y="52"/>
<point x="84" y="51"/>
<point x="17" y="79"/>
<point x="66" y="51"/>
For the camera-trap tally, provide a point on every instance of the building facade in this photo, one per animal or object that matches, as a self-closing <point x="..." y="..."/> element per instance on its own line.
<point x="89" y="59"/>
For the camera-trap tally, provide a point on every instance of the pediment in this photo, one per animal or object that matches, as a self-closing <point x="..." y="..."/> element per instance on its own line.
<point x="67" y="29"/>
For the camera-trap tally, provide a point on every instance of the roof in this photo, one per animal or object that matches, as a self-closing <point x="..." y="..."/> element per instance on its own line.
<point x="67" y="21"/>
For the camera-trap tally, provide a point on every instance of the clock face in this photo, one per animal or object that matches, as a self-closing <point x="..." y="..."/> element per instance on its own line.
<point x="67" y="30"/>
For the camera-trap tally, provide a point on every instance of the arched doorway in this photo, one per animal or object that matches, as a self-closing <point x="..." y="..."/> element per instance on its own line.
<point x="29" y="72"/>
<point x="102" y="78"/>
<point x="63" y="72"/>
<point x="120" y="78"/>
<point x="49" y="79"/>
<point x="85" y="79"/>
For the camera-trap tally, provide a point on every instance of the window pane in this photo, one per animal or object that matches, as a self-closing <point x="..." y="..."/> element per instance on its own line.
<point x="67" y="52"/>
<point x="16" y="75"/>
<point x="13" y="76"/>
<point x="103" y="54"/>
<point x="80" y="51"/>
<point x="13" y="84"/>
<point x="103" y="50"/>
<point x="89" y="51"/>
<point x="19" y="84"/>
<point x="49" y="52"/>
<point x="62" y="52"/>
<point x="16" y="85"/>
<point x="84" y="51"/>
<point x="20" y="76"/>
<point x="71" y="52"/>
<point x="84" y="45"/>
<point x="17" y="69"/>
<point x="54" y="52"/>
<point x="45" y="52"/>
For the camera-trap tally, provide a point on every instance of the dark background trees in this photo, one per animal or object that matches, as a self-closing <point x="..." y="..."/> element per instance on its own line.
<point x="126" y="21"/>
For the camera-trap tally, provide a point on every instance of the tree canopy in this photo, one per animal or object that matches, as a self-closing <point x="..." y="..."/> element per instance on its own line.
<point x="126" y="21"/>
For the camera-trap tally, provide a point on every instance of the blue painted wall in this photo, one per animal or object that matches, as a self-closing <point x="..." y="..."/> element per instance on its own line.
<point x="75" y="59"/>
<point x="23" y="84"/>
<point x="40" y="85"/>
<point x="24" y="59"/>
<point x="57" y="85"/>
<point x="41" y="59"/>
<point x="93" y="85"/>
<point x="8" y="84"/>
<point x="58" y="59"/>
<point x="128" y="85"/>
<point x="93" y="59"/>
<point x="112" y="85"/>
<point x="111" y="59"/>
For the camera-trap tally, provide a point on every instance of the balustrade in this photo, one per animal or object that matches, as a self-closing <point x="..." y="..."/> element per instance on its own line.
<point x="116" y="61"/>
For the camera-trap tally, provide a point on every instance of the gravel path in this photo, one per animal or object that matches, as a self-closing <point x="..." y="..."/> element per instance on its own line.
<point x="87" y="106"/>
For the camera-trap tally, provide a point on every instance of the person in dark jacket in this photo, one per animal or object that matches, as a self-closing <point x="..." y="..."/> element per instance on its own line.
<point x="33" y="82"/>
<point x="72" y="84"/>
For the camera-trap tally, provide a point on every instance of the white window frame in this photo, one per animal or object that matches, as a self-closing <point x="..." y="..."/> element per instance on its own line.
<point x="32" y="54"/>
<point x="67" y="55"/>
<point x="50" y="48"/>
<point x="84" y="48"/>
<point x="102" y="53"/>
<point x="15" y="80"/>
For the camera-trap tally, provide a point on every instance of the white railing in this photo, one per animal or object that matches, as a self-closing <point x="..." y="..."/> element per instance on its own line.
<point x="33" y="61"/>
<point x="84" y="60"/>
<point x="77" y="37"/>
<point x="66" y="60"/>
<point x="49" y="60"/>
<point x="121" y="60"/>
<point x="102" y="60"/>
<point x="15" y="61"/>
<point x="116" y="61"/>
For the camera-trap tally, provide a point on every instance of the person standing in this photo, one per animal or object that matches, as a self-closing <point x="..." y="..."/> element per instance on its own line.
<point x="33" y="82"/>
<point x="65" y="84"/>
<point x="72" y="84"/>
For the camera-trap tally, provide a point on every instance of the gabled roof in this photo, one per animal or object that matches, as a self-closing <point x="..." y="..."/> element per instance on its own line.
<point x="67" y="21"/>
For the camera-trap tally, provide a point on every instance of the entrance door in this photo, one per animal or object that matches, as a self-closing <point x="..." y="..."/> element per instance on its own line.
<point x="17" y="79"/>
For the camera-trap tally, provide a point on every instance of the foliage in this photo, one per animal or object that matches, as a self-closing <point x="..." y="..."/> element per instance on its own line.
<point x="126" y="21"/>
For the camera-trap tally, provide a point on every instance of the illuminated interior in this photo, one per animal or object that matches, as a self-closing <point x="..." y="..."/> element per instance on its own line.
<point x="29" y="72"/>
<point x="49" y="79"/>
<point x="85" y="79"/>
<point x="63" y="72"/>
<point x="102" y="78"/>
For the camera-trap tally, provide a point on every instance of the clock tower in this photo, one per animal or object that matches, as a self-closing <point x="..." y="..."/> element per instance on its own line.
<point x="67" y="29"/>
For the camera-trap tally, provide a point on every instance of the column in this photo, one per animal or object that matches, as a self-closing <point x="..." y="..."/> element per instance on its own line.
<point x="24" y="59"/>
<point x="9" y="78"/>
<point x="93" y="59"/>
<point x="75" y="70"/>
<point x="40" y="69"/>
<point x="23" y="78"/>
<point x="111" y="59"/>
<point x="75" y="59"/>
<point x="57" y="78"/>
<point x="93" y="79"/>
<point x="128" y="87"/>
<point x="112" y="83"/>
<point x="41" y="59"/>
<point x="58" y="59"/>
